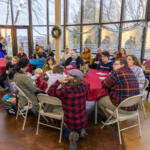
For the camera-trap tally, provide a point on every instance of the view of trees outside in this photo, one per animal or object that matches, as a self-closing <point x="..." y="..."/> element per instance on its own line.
<point x="111" y="10"/>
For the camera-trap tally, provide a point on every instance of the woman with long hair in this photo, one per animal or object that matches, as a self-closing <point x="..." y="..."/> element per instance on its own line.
<point x="49" y="64"/>
<point x="86" y="55"/>
<point x="135" y="66"/>
<point x="122" y="53"/>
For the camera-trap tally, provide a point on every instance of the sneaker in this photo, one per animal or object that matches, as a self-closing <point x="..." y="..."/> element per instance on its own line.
<point x="83" y="133"/>
<point x="74" y="137"/>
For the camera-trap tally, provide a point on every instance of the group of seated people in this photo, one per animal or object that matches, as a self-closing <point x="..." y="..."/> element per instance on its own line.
<point x="126" y="79"/>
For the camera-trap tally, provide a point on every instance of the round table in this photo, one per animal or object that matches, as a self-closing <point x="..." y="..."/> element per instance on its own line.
<point x="96" y="91"/>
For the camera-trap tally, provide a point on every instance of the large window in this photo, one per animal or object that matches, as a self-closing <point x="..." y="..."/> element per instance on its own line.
<point x="73" y="37"/>
<point x="91" y="11"/>
<point x="40" y="36"/>
<point x="147" y="44"/>
<point x="73" y="14"/>
<point x="51" y="12"/>
<point x="20" y="12"/>
<point x="39" y="12"/>
<point x="109" y="38"/>
<point x="111" y="10"/>
<point x="90" y="37"/>
<point x="134" y="10"/>
<point x="5" y="12"/>
<point x="131" y="39"/>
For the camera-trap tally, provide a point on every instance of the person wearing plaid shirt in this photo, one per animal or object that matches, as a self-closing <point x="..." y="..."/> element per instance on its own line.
<point x="73" y="96"/>
<point x="121" y="84"/>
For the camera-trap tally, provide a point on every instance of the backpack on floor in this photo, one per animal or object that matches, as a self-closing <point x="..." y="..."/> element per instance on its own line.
<point x="10" y="103"/>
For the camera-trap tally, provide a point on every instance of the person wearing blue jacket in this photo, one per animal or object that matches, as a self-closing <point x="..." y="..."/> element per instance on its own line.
<point x="2" y="52"/>
<point x="39" y="61"/>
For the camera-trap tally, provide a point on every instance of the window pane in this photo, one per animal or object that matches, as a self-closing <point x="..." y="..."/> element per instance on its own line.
<point x="73" y="12"/>
<point x="51" y="12"/>
<point x="73" y="37"/>
<point x="62" y="12"/>
<point x="22" y="37"/>
<point x="6" y="34"/>
<point x="132" y="39"/>
<point x="40" y="36"/>
<point x="147" y="44"/>
<point x="39" y="12"/>
<point x="111" y="10"/>
<point x="109" y="39"/>
<point x="51" y="39"/>
<point x="5" y="12"/>
<point x="20" y="10"/>
<point x="90" y="37"/>
<point x="134" y="10"/>
<point x="91" y="11"/>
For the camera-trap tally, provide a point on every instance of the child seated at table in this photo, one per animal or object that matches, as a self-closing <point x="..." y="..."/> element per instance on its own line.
<point x="104" y="64"/>
<point x="37" y="73"/>
<point x="45" y="81"/>
<point x="21" y="53"/>
<point x="39" y="61"/>
<point x="73" y="96"/>
<point x="8" y="72"/>
<point x="49" y="64"/>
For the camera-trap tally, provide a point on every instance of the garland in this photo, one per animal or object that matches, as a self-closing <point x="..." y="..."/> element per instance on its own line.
<point x="56" y="32"/>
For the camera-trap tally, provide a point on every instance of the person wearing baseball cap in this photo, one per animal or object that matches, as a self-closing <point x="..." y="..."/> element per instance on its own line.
<point x="73" y="96"/>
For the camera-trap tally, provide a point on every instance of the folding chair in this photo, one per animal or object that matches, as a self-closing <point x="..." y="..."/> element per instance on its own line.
<point x="26" y="108"/>
<point x="144" y="97"/>
<point x="57" y="113"/>
<point x="122" y="117"/>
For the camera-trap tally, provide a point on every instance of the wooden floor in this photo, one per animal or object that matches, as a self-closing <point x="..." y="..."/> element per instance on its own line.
<point x="13" y="138"/>
<point x="131" y="136"/>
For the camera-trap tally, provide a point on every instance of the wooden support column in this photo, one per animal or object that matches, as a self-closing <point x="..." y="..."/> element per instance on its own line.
<point x="57" y="22"/>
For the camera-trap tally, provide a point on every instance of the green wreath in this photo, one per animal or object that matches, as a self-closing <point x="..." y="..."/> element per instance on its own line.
<point x="56" y="32"/>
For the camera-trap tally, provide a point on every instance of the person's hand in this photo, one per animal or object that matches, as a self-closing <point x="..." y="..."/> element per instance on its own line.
<point x="69" y="67"/>
<point x="7" y="72"/>
<point x="63" y="80"/>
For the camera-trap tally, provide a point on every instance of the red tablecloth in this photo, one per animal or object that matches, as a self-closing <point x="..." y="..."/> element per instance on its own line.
<point x="96" y="90"/>
<point x="2" y="64"/>
<point x="147" y="63"/>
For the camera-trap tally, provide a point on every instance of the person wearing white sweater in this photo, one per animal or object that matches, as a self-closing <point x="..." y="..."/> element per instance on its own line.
<point x="135" y="66"/>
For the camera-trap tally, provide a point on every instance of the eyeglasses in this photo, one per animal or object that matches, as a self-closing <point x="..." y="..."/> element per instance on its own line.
<point x="115" y="64"/>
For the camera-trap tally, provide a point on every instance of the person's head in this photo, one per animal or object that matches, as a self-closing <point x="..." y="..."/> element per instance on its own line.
<point x="87" y="50"/>
<point x="73" y="53"/>
<point x="37" y="47"/>
<point x="22" y="65"/>
<point x="66" y="50"/>
<point x="122" y="52"/>
<point x="105" y="57"/>
<point x="74" y="78"/>
<point x="41" y="49"/>
<point x="38" y="71"/>
<point x="50" y="61"/>
<point x="39" y="55"/>
<point x="21" y="50"/>
<point x="115" y="54"/>
<point x="119" y="63"/>
<point x="58" y="69"/>
<point x="99" y="50"/>
<point x="14" y="60"/>
<point x="133" y="61"/>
